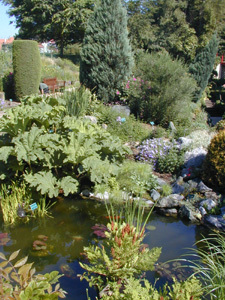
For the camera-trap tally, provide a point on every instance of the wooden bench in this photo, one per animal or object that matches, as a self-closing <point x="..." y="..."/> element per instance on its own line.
<point x="54" y="84"/>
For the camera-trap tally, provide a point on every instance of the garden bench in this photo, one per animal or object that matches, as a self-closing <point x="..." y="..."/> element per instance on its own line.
<point x="54" y="84"/>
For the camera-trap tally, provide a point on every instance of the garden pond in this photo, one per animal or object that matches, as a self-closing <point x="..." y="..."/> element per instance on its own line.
<point x="56" y="242"/>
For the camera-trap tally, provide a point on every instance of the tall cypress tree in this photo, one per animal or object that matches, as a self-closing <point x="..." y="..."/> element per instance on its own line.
<point x="106" y="56"/>
<point x="203" y="64"/>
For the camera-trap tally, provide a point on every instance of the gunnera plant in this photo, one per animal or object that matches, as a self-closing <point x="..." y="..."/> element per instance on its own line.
<point x="214" y="165"/>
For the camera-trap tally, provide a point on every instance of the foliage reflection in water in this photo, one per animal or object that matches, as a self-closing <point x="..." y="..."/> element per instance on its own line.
<point x="57" y="243"/>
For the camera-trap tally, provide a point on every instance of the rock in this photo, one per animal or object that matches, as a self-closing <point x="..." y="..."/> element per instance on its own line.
<point x="188" y="211"/>
<point x="191" y="186"/>
<point x="202" y="211"/>
<point x="184" y="142"/>
<point x="101" y="196"/>
<point x="168" y="212"/>
<point x="149" y="203"/>
<point x="208" y="204"/>
<point x="172" y="127"/>
<point x="217" y="222"/>
<point x="202" y="188"/>
<point x="123" y="109"/>
<point x="194" y="158"/>
<point x="92" y="119"/>
<point x="86" y="193"/>
<point x="223" y="211"/>
<point x="177" y="188"/>
<point x="155" y="195"/>
<point x="160" y="181"/>
<point x="170" y="201"/>
<point x="212" y="195"/>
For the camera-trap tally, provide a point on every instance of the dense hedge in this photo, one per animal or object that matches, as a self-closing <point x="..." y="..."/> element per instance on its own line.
<point x="26" y="67"/>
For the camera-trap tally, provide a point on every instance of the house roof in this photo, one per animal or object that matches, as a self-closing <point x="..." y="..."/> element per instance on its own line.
<point x="6" y="41"/>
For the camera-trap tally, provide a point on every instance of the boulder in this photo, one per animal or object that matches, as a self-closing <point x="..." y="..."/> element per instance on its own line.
<point x="155" y="195"/>
<point x="185" y="142"/>
<point x="208" y="204"/>
<point x="121" y="109"/>
<point x="189" y="212"/>
<point x="215" y="221"/>
<point x="195" y="157"/>
<point x="168" y="212"/>
<point x="170" y="201"/>
<point x="202" y="188"/>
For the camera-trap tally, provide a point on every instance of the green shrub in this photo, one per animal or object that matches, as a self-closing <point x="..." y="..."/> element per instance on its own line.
<point x="77" y="101"/>
<point x="26" y="67"/>
<point x="136" y="177"/>
<point x="19" y="281"/>
<point x="129" y="130"/>
<point x="171" y="162"/>
<point x="161" y="90"/>
<point x="214" y="165"/>
<point x="220" y="125"/>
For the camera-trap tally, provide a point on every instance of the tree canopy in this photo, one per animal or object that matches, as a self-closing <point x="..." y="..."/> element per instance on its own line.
<point x="61" y="20"/>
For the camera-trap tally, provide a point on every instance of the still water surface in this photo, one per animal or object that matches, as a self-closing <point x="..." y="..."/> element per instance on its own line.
<point x="69" y="230"/>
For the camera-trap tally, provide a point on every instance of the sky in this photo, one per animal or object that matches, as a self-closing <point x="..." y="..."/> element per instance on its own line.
<point x="6" y="30"/>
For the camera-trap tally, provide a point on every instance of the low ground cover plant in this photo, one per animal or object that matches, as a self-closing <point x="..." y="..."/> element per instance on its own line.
<point x="164" y="155"/>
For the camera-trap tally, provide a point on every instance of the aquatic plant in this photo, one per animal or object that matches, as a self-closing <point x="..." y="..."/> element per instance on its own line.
<point x="114" y="264"/>
<point x="210" y="270"/>
<point x="12" y="198"/>
<point x="19" y="281"/>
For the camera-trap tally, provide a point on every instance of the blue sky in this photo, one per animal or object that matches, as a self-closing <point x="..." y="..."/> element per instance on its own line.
<point x="6" y="30"/>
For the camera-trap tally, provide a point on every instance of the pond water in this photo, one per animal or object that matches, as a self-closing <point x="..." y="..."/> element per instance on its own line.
<point x="69" y="230"/>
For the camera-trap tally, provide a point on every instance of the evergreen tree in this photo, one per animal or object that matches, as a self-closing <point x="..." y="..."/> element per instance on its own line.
<point x="203" y="64"/>
<point x="106" y="57"/>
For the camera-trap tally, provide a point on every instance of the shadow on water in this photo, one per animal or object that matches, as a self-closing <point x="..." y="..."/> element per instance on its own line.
<point x="68" y="230"/>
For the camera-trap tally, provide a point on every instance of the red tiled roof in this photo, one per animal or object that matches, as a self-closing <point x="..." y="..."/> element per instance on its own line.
<point x="6" y="41"/>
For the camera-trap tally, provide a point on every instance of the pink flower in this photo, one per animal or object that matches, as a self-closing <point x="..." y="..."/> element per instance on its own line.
<point x="117" y="92"/>
<point x="134" y="79"/>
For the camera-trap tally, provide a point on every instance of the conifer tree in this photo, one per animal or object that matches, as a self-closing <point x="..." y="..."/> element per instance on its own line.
<point x="203" y="64"/>
<point x="106" y="56"/>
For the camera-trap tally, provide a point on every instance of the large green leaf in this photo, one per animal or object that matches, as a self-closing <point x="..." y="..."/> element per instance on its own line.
<point x="69" y="185"/>
<point x="44" y="182"/>
<point x="27" y="146"/>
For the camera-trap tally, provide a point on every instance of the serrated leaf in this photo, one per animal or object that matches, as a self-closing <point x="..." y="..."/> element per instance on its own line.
<point x="69" y="185"/>
<point x="14" y="255"/>
<point x="44" y="182"/>
<point x="2" y="256"/>
<point x="5" y="152"/>
<point x="21" y="262"/>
